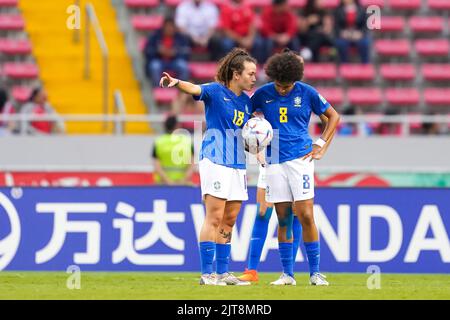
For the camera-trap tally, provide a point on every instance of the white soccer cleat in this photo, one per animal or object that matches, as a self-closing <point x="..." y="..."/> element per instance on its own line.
<point x="209" y="280"/>
<point x="284" y="280"/>
<point x="229" y="279"/>
<point x="318" y="279"/>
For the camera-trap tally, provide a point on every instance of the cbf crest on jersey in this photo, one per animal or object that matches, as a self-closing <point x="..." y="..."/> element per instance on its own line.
<point x="298" y="102"/>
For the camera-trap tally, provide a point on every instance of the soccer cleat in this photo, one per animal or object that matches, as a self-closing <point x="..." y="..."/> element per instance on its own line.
<point x="284" y="280"/>
<point x="210" y="280"/>
<point x="230" y="279"/>
<point x="249" y="275"/>
<point x="318" y="279"/>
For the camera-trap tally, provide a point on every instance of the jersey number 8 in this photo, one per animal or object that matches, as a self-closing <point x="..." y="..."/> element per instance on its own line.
<point x="283" y="115"/>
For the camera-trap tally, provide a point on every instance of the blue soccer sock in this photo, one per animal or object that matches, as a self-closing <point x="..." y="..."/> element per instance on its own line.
<point x="259" y="234"/>
<point x="297" y="232"/>
<point x="223" y="252"/>
<point x="207" y="251"/>
<point x="286" y="257"/>
<point x="313" y="253"/>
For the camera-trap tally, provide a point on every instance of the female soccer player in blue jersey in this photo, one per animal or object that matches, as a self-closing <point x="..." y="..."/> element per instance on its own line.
<point x="287" y="104"/>
<point x="222" y="160"/>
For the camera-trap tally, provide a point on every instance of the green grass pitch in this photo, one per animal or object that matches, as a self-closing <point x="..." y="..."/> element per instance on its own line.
<point x="183" y="286"/>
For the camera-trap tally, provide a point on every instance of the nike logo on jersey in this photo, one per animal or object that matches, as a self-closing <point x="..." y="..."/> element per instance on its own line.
<point x="226" y="99"/>
<point x="269" y="101"/>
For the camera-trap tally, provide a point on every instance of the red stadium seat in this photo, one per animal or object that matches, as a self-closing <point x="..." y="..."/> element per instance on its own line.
<point x="436" y="71"/>
<point x="402" y="96"/>
<point x="320" y="71"/>
<point x="365" y="96"/>
<point x="21" y="94"/>
<point x="354" y="72"/>
<point x="174" y="3"/>
<point x="334" y="95"/>
<point x="392" y="24"/>
<point x="165" y="95"/>
<point x="427" y="47"/>
<point x="9" y="3"/>
<point x="15" y="47"/>
<point x="437" y="97"/>
<point x="203" y="70"/>
<point x="20" y="70"/>
<point x="426" y="24"/>
<point x="147" y="23"/>
<point x="330" y="4"/>
<point x="405" y="4"/>
<point x="439" y="4"/>
<point x="135" y="4"/>
<point x="400" y="47"/>
<point x="378" y="3"/>
<point x="11" y="22"/>
<point x="398" y="72"/>
<point x="264" y="3"/>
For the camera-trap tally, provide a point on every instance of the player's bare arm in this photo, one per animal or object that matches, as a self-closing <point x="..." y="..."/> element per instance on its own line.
<point x="168" y="81"/>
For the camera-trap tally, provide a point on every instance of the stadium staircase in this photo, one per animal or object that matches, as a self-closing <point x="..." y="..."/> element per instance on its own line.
<point x="61" y="63"/>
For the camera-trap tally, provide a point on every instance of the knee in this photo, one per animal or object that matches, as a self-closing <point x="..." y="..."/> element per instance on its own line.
<point x="307" y="220"/>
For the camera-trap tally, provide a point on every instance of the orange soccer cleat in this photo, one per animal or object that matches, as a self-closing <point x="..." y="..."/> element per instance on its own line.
<point x="249" y="275"/>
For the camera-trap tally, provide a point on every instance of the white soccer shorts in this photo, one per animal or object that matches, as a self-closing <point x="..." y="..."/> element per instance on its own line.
<point x="262" y="178"/>
<point x="290" y="181"/>
<point x="222" y="182"/>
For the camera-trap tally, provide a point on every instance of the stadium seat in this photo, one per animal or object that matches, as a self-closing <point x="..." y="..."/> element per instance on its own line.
<point x="334" y="95"/>
<point x="147" y="23"/>
<point x="391" y="48"/>
<point x="21" y="94"/>
<point x="398" y="72"/>
<point x="20" y="70"/>
<point x="357" y="72"/>
<point x="203" y="70"/>
<point x="165" y="95"/>
<point x="330" y="4"/>
<point x="10" y="22"/>
<point x="405" y="4"/>
<point x="439" y="4"/>
<point x="436" y="72"/>
<point x="429" y="47"/>
<point x="174" y="3"/>
<point x="15" y="47"/>
<point x="378" y="3"/>
<point x="391" y="24"/>
<point x="364" y="96"/>
<point x="138" y="4"/>
<point x="437" y="96"/>
<point x="402" y="96"/>
<point x="9" y="3"/>
<point x="426" y="24"/>
<point x="264" y="3"/>
<point x="320" y="71"/>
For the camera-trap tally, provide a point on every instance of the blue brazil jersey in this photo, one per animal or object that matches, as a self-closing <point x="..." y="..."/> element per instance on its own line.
<point x="225" y="114"/>
<point x="289" y="116"/>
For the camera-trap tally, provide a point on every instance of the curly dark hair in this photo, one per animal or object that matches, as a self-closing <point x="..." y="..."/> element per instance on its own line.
<point x="285" y="67"/>
<point x="233" y="61"/>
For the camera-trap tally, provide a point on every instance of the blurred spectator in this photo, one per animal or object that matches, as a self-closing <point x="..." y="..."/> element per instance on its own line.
<point x="5" y="109"/>
<point x="39" y="106"/>
<point x="186" y="105"/>
<point x="390" y="128"/>
<point x="279" y="28"/>
<point x="434" y="128"/>
<point x="351" y="30"/>
<point x="237" y="21"/>
<point x="353" y="128"/>
<point x="197" y="19"/>
<point x="316" y="30"/>
<point x="173" y="156"/>
<point x="167" y="49"/>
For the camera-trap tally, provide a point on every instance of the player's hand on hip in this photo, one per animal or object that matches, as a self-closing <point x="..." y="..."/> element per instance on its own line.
<point x="316" y="153"/>
<point x="167" y="81"/>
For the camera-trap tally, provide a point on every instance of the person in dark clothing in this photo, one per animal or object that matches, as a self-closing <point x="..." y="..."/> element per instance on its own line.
<point x="351" y="30"/>
<point x="167" y="49"/>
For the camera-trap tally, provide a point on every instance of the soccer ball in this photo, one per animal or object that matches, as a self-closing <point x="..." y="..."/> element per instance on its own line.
<point x="257" y="134"/>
